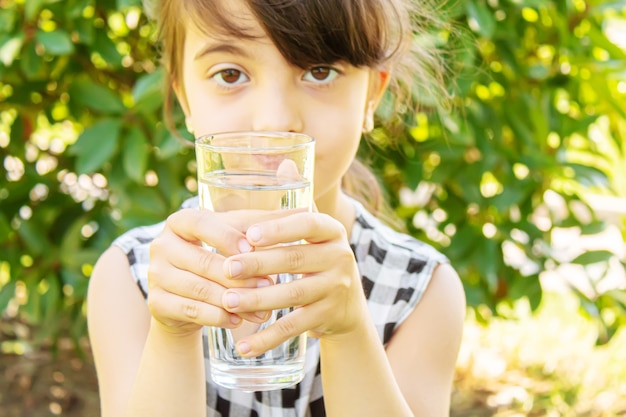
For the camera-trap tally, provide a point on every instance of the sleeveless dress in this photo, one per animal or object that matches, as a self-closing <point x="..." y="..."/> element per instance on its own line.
<point x="395" y="270"/>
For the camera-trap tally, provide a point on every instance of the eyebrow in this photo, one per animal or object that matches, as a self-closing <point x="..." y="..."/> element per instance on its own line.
<point x="212" y="48"/>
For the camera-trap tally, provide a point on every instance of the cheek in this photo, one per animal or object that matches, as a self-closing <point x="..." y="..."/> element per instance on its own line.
<point x="338" y="135"/>
<point x="336" y="148"/>
<point x="211" y="116"/>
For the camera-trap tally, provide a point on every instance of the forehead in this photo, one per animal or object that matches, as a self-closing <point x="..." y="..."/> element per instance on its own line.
<point x="305" y="32"/>
<point x="221" y="19"/>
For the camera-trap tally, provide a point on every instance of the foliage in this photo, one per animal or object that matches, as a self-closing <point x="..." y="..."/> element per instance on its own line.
<point x="86" y="155"/>
<point x="540" y="124"/>
<point x="72" y="70"/>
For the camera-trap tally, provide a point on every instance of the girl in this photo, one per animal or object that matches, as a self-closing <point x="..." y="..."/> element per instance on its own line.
<point x="384" y="312"/>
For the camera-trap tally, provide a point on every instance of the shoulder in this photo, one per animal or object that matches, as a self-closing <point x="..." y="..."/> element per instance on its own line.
<point x="424" y="349"/>
<point x="436" y="324"/>
<point x="118" y="321"/>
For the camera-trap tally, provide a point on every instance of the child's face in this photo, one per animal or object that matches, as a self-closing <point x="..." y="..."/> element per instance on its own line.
<point x="233" y="84"/>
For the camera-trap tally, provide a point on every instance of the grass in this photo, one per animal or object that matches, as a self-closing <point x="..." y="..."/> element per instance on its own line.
<point x="546" y="364"/>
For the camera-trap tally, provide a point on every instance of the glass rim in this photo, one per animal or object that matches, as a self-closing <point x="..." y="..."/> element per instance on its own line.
<point x="204" y="140"/>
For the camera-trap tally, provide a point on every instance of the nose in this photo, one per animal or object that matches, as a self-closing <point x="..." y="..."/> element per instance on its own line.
<point x="278" y="108"/>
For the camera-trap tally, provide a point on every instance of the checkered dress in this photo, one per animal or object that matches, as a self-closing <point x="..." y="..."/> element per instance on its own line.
<point x="395" y="270"/>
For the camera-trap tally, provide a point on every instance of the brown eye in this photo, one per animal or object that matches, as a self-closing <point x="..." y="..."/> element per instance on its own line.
<point x="320" y="75"/>
<point x="230" y="76"/>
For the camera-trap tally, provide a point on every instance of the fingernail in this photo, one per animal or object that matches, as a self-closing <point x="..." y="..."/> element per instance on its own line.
<point x="231" y="299"/>
<point x="244" y="246"/>
<point x="234" y="269"/>
<point x="261" y="314"/>
<point x="254" y="234"/>
<point x="263" y="283"/>
<point x="243" y="348"/>
<point x="235" y="319"/>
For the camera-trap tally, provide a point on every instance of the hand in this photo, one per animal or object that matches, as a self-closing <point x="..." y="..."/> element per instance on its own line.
<point x="186" y="281"/>
<point x="329" y="296"/>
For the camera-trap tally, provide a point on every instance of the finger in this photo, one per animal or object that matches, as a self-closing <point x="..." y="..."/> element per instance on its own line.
<point x="204" y="226"/>
<point x="198" y="261"/>
<point x="222" y="231"/>
<point x="288" y="170"/>
<point x="189" y="285"/>
<point x="296" y="293"/>
<point x="312" y="227"/>
<point x="167" y="308"/>
<point x="291" y="325"/>
<point x="296" y="258"/>
<point x="192" y="287"/>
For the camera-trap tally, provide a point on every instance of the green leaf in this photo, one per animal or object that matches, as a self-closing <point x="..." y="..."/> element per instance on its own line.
<point x="531" y="3"/>
<point x="169" y="145"/>
<point x="50" y="301"/>
<point x="85" y="31"/>
<point x="31" y="63"/>
<point x="518" y="123"/>
<point x="31" y="9"/>
<point x="106" y="48"/>
<point x="7" y="19"/>
<point x="7" y="292"/>
<point x="71" y="245"/>
<point x="96" y="97"/>
<point x="135" y="156"/>
<point x="464" y="241"/>
<point x="511" y="196"/>
<point x="57" y="42"/>
<point x="487" y="257"/>
<point x="74" y="8"/>
<point x="148" y="92"/>
<point x="10" y="49"/>
<point x="609" y="6"/>
<point x="124" y="4"/>
<point x="529" y="287"/>
<point x="539" y="72"/>
<point x="598" y="38"/>
<point x="482" y="17"/>
<point x="453" y="9"/>
<point x="96" y="145"/>
<point x="474" y="296"/>
<point x="592" y="257"/>
<point x="414" y="174"/>
<point x="593" y="228"/>
<point x="5" y="229"/>
<point x="33" y="237"/>
<point x="589" y="176"/>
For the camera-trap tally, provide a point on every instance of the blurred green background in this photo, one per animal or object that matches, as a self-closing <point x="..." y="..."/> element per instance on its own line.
<point x="522" y="183"/>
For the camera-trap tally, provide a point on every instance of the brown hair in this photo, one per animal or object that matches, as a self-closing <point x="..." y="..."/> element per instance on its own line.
<point x="364" y="33"/>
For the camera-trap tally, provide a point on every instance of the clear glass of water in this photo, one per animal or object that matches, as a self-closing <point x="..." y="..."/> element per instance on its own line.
<point x="256" y="171"/>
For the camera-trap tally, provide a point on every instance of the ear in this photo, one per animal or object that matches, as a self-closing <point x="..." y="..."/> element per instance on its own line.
<point x="379" y="81"/>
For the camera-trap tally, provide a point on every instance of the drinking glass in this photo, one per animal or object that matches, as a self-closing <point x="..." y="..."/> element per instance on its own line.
<point x="256" y="171"/>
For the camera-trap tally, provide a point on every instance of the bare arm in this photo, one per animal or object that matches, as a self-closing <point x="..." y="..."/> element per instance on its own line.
<point x="359" y="378"/>
<point x="423" y="351"/>
<point x="136" y="362"/>
<point x="118" y="321"/>
<point x="149" y="358"/>
<point x="415" y="377"/>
